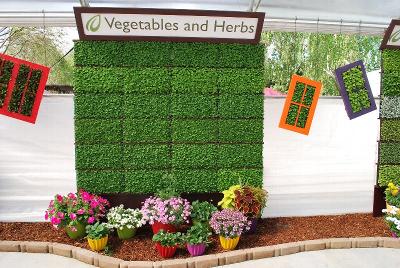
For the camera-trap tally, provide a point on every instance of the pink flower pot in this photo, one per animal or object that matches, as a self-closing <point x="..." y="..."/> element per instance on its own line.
<point x="196" y="249"/>
<point x="157" y="226"/>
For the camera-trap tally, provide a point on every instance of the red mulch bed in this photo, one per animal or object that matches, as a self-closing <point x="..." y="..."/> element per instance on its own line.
<point x="269" y="232"/>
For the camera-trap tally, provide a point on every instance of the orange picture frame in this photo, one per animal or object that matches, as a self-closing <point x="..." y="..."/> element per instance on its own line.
<point x="301" y="103"/>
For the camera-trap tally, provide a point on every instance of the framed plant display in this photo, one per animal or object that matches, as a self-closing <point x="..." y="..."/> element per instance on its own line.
<point x="355" y="90"/>
<point x="300" y="104"/>
<point x="391" y="39"/>
<point x="22" y="85"/>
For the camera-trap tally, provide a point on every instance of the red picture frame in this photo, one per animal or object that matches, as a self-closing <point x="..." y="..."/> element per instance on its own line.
<point x="11" y="85"/>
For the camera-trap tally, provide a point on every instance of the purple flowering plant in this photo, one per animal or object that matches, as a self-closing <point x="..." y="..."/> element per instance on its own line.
<point x="174" y="210"/>
<point x="229" y="223"/>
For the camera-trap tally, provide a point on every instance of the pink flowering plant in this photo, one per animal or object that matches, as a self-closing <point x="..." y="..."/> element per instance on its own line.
<point x="174" y="210"/>
<point x="80" y="207"/>
<point x="229" y="223"/>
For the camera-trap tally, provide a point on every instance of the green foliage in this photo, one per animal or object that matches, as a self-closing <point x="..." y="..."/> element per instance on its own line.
<point x="237" y="130"/>
<point x="298" y="92"/>
<point x="198" y="234"/>
<point x="229" y="177"/>
<point x="389" y="174"/>
<point x="241" y="81"/>
<point x="390" y="107"/>
<point x="192" y="80"/>
<point x="389" y="153"/>
<point x="390" y="130"/>
<point x="98" y="106"/>
<point x="303" y="115"/>
<point x="309" y="95"/>
<point x="391" y="73"/>
<point x="241" y="56"/>
<point x="292" y="114"/>
<point x="97" y="230"/>
<point x="201" y="211"/>
<point x="390" y="60"/>
<point x="196" y="181"/>
<point x="144" y="181"/>
<point x="5" y="71"/>
<point x="168" y="239"/>
<point x="98" y="131"/>
<point x="101" y="181"/>
<point x="194" y="156"/>
<point x="354" y="83"/>
<point x="146" y="106"/>
<point x="240" y="155"/>
<point x="194" y="55"/>
<point x="194" y="106"/>
<point x="98" y="156"/>
<point x="146" y="156"/>
<point x="20" y="83"/>
<point x="146" y="130"/>
<point x="30" y="94"/>
<point x="194" y="130"/>
<point x="249" y="106"/>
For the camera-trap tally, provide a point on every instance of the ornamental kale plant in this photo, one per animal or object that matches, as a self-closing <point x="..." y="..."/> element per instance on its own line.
<point x="168" y="239"/>
<point x="81" y="207"/>
<point x="354" y="83"/>
<point x="119" y="218"/>
<point x="198" y="234"/>
<point x="202" y="211"/>
<point x="97" y="230"/>
<point x="175" y="210"/>
<point x="229" y="223"/>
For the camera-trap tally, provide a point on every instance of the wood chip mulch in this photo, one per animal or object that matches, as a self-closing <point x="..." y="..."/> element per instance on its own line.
<point x="270" y="231"/>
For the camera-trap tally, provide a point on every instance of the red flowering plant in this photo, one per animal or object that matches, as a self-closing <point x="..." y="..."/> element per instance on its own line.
<point x="74" y="208"/>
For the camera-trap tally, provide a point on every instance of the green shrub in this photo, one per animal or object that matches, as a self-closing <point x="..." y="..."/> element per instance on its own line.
<point x="98" y="106"/>
<point x="390" y="107"/>
<point x="194" y="81"/>
<point x="390" y="60"/>
<point x="229" y="177"/>
<point x="99" y="80"/>
<point x="196" y="181"/>
<point x="243" y="130"/>
<point x="390" y="130"/>
<point x="146" y="156"/>
<point x="199" y="130"/>
<point x="194" y="106"/>
<point x="147" y="106"/>
<point x="98" y="156"/>
<point x="98" y="131"/>
<point x="148" y="80"/>
<point x="194" y="55"/>
<point x="391" y="83"/>
<point x="99" y="182"/>
<point x="241" y="56"/>
<point x="146" y="130"/>
<point x="194" y="156"/>
<point x="241" y="81"/>
<point x="144" y="181"/>
<point x="240" y="155"/>
<point x="389" y="174"/>
<point x="249" y="106"/>
<point x="389" y="153"/>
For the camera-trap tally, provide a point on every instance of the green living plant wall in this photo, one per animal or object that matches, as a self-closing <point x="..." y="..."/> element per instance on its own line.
<point x="144" y="110"/>
<point x="389" y="146"/>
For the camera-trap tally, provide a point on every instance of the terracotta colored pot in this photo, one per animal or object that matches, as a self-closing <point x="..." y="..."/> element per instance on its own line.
<point x="126" y="233"/>
<point x="157" y="226"/>
<point x="79" y="233"/>
<point x="98" y="244"/>
<point x="229" y="243"/>
<point x="253" y="226"/>
<point x="196" y="249"/>
<point x="166" y="251"/>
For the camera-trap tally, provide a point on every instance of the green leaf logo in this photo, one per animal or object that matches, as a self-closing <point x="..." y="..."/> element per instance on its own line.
<point x="93" y="24"/>
<point x="395" y="36"/>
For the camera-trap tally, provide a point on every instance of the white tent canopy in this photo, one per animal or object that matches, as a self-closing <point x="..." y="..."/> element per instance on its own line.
<point x="347" y="16"/>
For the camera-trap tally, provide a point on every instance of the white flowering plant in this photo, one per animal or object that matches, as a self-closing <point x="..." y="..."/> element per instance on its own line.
<point x="120" y="217"/>
<point x="392" y="218"/>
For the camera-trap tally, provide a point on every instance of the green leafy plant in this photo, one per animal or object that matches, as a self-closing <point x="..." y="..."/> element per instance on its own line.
<point x="354" y="83"/>
<point x="97" y="230"/>
<point x="6" y="68"/>
<point x="298" y="92"/>
<point x="20" y="83"/>
<point x="389" y="173"/>
<point x="303" y="116"/>
<point x="168" y="239"/>
<point x="198" y="234"/>
<point x="228" y="201"/>
<point x="292" y="114"/>
<point x="389" y="153"/>
<point x="202" y="211"/>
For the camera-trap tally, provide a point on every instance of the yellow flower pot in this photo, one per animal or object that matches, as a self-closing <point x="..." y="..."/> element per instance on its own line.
<point x="98" y="244"/>
<point x="229" y="243"/>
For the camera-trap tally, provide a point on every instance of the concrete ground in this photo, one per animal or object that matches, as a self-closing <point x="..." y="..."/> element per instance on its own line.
<point x="331" y="258"/>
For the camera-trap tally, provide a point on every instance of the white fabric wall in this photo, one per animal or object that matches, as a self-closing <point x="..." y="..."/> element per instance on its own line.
<point x="331" y="171"/>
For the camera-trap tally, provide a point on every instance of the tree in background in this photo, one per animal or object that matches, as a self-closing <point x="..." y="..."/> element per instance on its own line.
<point x="42" y="46"/>
<point x="315" y="56"/>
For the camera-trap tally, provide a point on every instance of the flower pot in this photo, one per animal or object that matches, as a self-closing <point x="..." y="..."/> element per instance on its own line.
<point x="78" y="233"/>
<point x="98" y="244"/>
<point x="166" y="251"/>
<point x="126" y="233"/>
<point x="253" y="226"/>
<point x="394" y="235"/>
<point x="157" y="226"/>
<point x="229" y="243"/>
<point x="196" y="249"/>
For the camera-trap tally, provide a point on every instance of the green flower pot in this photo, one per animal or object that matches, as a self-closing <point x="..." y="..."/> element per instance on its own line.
<point x="126" y="233"/>
<point x="79" y="233"/>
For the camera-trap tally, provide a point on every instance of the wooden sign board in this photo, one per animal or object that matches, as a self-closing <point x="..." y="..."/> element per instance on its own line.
<point x="391" y="39"/>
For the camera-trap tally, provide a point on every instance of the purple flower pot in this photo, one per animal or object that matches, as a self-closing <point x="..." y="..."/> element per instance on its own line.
<point x="196" y="249"/>
<point x="253" y="226"/>
<point x="394" y="235"/>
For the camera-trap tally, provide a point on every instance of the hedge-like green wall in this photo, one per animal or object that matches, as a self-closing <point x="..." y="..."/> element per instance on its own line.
<point x="146" y="109"/>
<point x="389" y="146"/>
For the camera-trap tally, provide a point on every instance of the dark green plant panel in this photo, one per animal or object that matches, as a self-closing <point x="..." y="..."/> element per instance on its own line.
<point x="391" y="83"/>
<point x="241" y="56"/>
<point x="194" y="156"/>
<point x="240" y="155"/>
<point x="390" y="130"/>
<point x="148" y="80"/>
<point x="7" y="67"/>
<point x="390" y="60"/>
<point x="144" y="181"/>
<point x="229" y="177"/>
<point x="389" y="174"/>
<point x="192" y="181"/>
<point x="148" y="156"/>
<point x="98" y="131"/>
<point x="303" y="115"/>
<point x="19" y="87"/>
<point x="249" y="106"/>
<point x="194" y="55"/>
<point x="99" y="182"/>
<point x="241" y="130"/>
<point x="194" y="130"/>
<point x="99" y="80"/>
<point x="30" y="93"/>
<point x="98" y="156"/>
<point x="389" y="153"/>
<point x="194" y="106"/>
<point x="309" y="95"/>
<point x="298" y="92"/>
<point x="98" y="106"/>
<point x="146" y="130"/>
<point x="292" y="114"/>
<point x="194" y="81"/>
<point x="146" y="106"/>
<point x="241" y="81"/>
